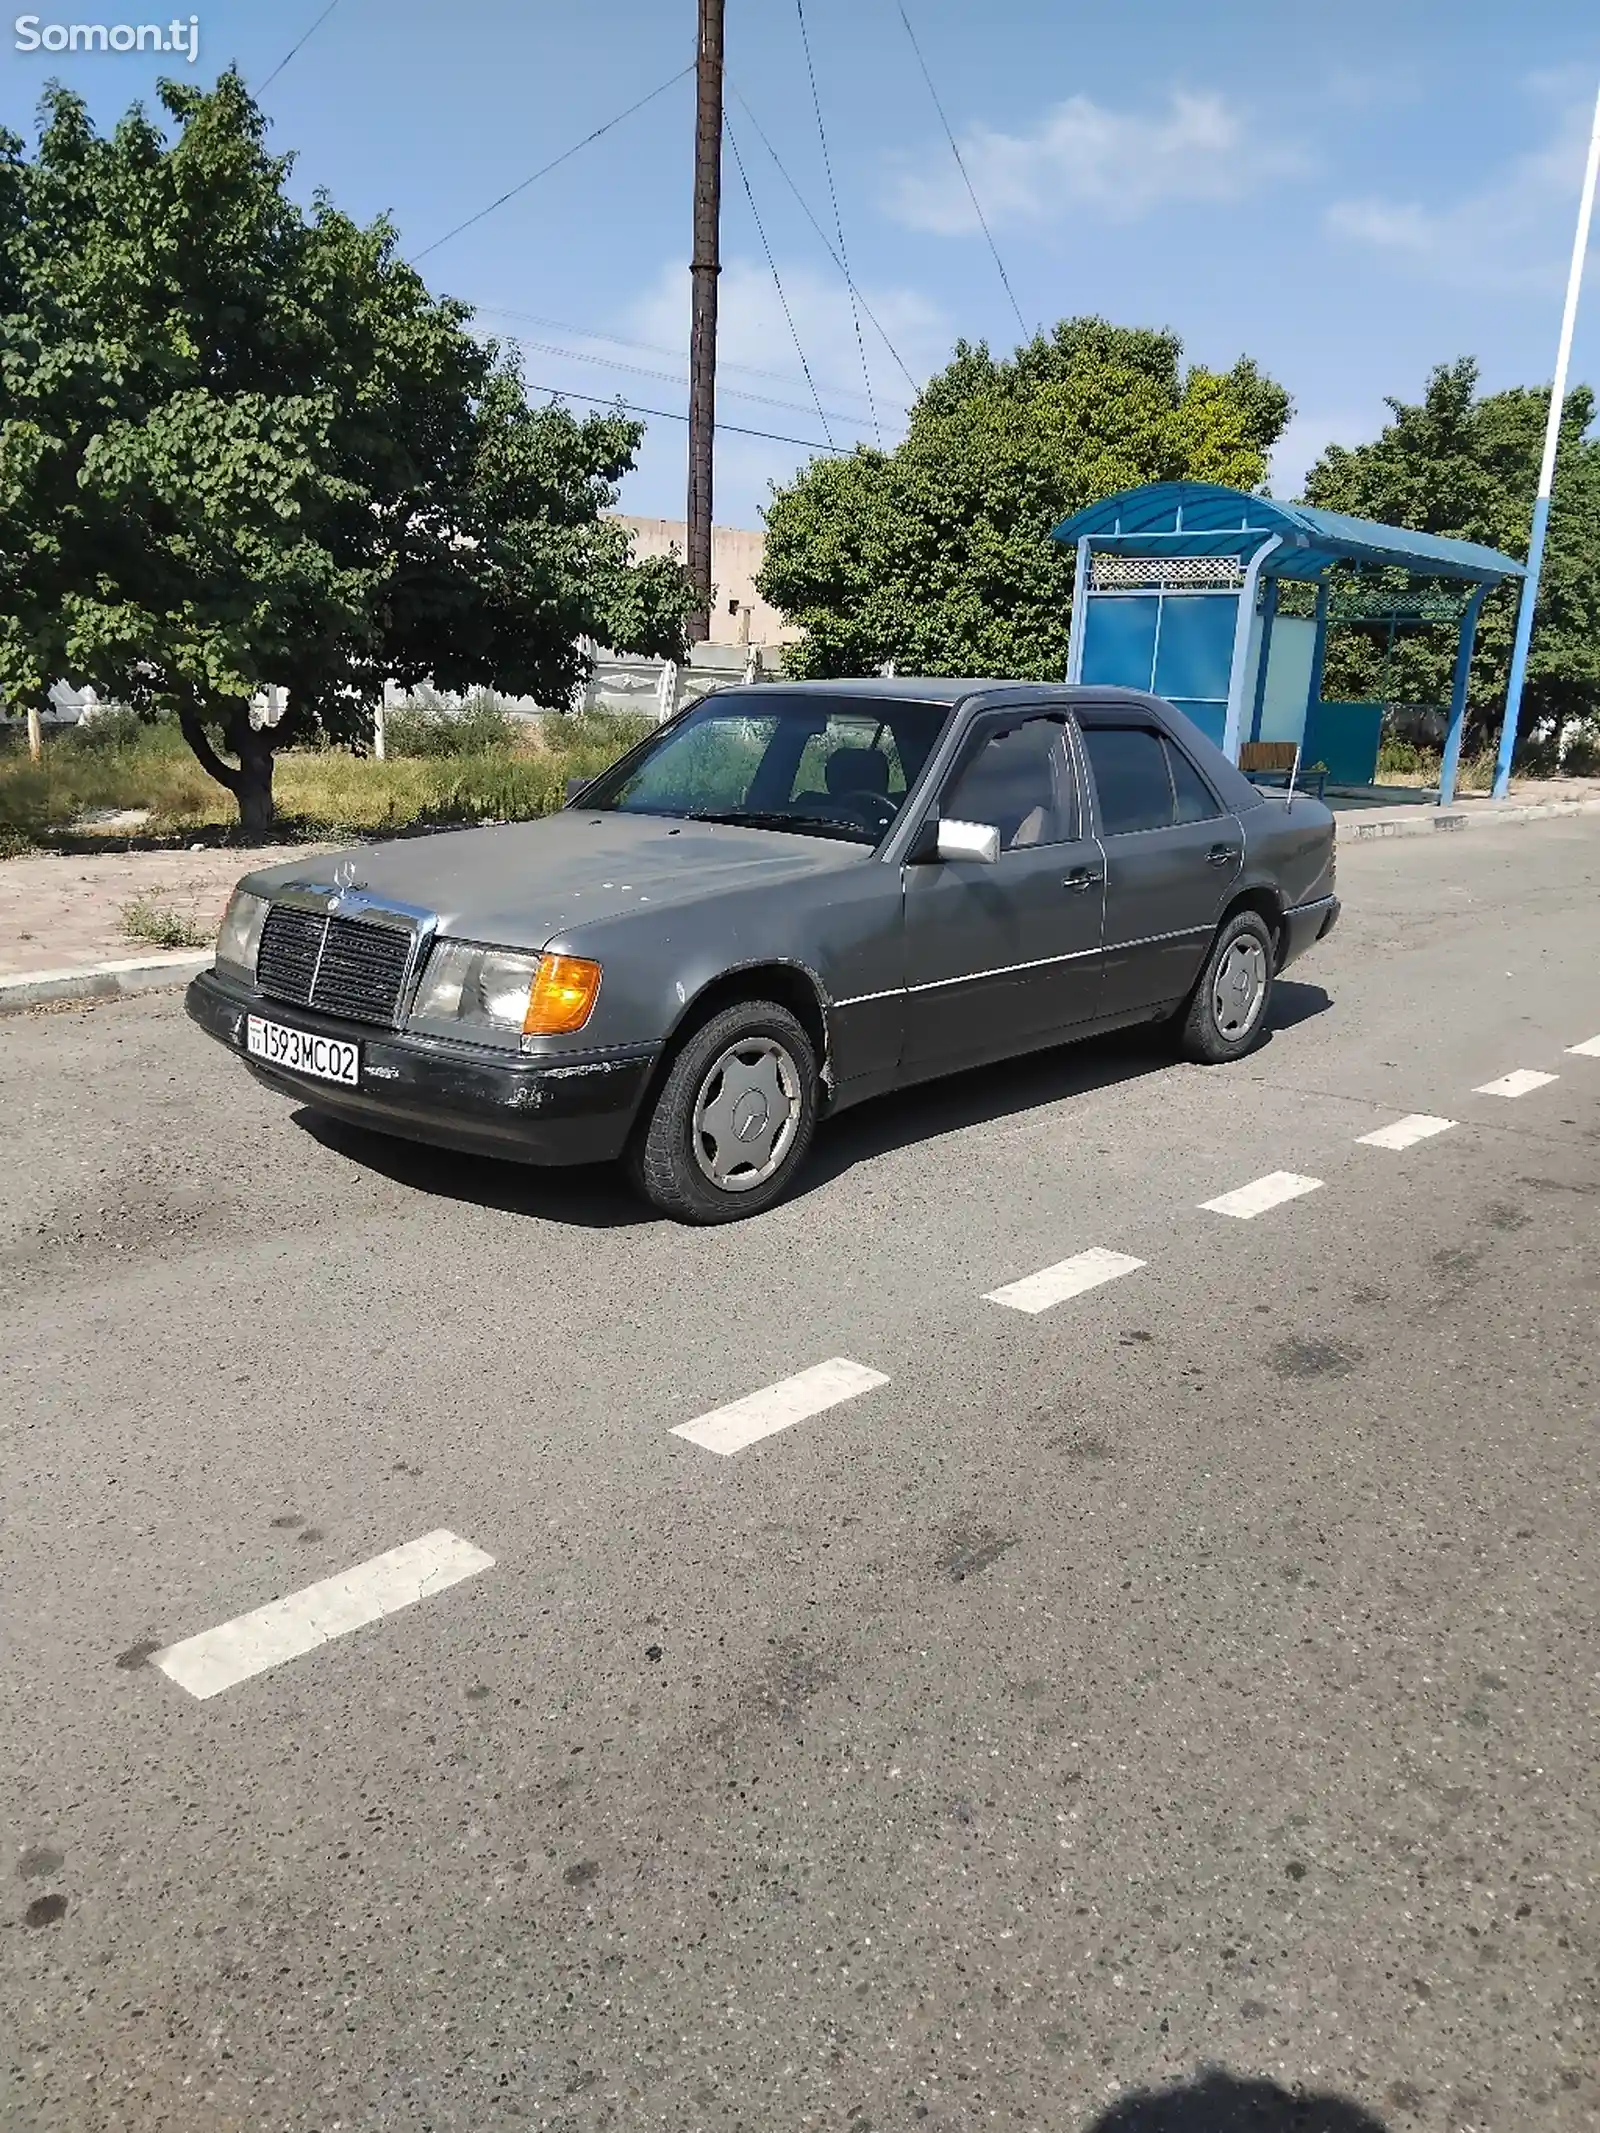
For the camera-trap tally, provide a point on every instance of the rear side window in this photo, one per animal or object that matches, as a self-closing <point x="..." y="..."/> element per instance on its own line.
<point x="1196" y="802"/>
<point x="1131" y="778"/>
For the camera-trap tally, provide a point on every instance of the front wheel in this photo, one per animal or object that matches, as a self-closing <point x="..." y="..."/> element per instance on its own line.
<point x="733" y="1121"/>
<point x="1227" y="1010"/>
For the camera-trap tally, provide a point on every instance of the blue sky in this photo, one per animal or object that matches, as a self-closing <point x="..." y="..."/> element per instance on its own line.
<point x="1348" y="197"/>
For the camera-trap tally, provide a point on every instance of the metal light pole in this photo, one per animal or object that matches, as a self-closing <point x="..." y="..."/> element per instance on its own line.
<point x="1547" y="471"/>
<point x="704" y="268"/>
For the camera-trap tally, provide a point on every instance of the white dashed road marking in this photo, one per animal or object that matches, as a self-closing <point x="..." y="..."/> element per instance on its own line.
<point x="762" y="1414"/>
<point x="1069" y="1277"/>
<point x="1405" y="1132"/>
<point x="1255" y="1198"/>
<point x="1589" y="1049"/>
<point x="1518" y="1083"/>
<point x="220" y="1658"/>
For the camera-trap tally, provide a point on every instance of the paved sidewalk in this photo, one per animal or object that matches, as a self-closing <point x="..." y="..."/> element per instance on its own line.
<point x="1361" y="803"/>
<point x="1534" y="803"/>
<point x="62" y="913"/>
<point x="61" y="918"/>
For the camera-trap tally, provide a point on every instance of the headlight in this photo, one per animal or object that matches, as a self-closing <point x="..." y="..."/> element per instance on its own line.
<point x="497" y="993"/>
<point x="240" y="935"/>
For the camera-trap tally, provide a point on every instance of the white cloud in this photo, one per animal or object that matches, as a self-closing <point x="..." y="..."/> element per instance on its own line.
<point x="1122" y="163"/>
<point x="757" y="366"/>
<point x="1370" y="88"/>
<point x="753" y="338"/>
<point x="760" y="386"/>
<point x="1513" y="233"/>
<point x="1309" y="434"/>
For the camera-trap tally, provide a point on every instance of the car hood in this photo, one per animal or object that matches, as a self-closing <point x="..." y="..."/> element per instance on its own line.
<point x="522" y="883"/>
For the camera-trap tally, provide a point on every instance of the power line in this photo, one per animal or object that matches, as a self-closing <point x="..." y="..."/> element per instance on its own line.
<point x="777" y="280"/>
<point x="669" y="377"/>
<point x="546" y="168"/>
<point x="284" y="61"/>
<point x="622" y="340"/>
<point x="838" y="222"/>
<point x="827" y="246"/>
<point x="666" y="414"/>
<point x="961" y="166"/>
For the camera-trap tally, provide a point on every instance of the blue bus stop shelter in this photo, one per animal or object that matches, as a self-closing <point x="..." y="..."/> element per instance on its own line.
<point x="1177" y="592"/>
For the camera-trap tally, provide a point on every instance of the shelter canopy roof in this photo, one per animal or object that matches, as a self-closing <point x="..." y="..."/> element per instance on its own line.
<point x="1203" y="518"/>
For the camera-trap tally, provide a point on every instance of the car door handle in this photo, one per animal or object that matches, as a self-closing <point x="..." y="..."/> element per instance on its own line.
<point x="1222" y="855"/>
<point x="1084" y="877"/>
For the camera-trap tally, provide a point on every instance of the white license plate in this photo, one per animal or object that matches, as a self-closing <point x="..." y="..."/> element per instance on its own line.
<point x="297" y="1050"/>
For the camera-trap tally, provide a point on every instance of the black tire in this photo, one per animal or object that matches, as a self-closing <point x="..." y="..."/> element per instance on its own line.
<point x="673" y="1161"/>
<point x="1210" y="1029"/>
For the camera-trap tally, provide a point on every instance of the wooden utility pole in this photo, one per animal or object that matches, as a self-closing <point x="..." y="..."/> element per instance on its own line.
<point x="704" y="268"/>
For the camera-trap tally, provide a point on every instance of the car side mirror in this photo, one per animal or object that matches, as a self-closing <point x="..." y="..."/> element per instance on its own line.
<point x="575" y="786"/>
<point x="968" y="840"/>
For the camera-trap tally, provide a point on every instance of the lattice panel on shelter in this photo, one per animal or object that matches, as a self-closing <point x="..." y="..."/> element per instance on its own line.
<point x="1166" y="573"/>
<point x="1357" y="602"/>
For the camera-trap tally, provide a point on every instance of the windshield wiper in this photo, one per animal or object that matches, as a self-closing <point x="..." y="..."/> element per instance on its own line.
<point x="775" y="818"/>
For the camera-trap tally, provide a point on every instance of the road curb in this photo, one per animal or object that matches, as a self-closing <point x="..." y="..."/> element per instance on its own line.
<point x="1378" y="823"/>
<point x="99" y="981"/>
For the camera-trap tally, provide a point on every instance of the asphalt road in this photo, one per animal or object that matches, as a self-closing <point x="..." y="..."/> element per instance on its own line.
<point x="1198" y="1674"/>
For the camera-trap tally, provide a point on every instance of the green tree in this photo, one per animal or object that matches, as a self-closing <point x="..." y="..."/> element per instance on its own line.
<point x="242" y="444"/>
<point x="31" y="584"/>
<point x="938" y="555"/>
<point x="1466" y="464"/>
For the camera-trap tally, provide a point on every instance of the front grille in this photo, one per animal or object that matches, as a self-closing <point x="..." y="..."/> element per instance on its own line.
<point x="343" y="966"/>
<point x="286" y="959"/>
<point x="363" y="969"/>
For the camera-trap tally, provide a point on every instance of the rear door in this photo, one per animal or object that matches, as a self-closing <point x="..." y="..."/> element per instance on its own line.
<point x="1172" y="851"/>
<point x="1002" y="958"/>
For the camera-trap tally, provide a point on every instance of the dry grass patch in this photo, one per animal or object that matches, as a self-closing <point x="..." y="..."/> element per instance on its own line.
<point x="147" y="918"/>
<point x="506" y="772"/>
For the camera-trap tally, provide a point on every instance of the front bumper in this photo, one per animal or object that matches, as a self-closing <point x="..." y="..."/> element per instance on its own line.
<point x="1307" y="924"/>
<point x="578" y="1109"/>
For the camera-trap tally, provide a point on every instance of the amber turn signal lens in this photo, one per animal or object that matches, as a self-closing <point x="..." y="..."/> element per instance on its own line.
<point x="564" y="992"/>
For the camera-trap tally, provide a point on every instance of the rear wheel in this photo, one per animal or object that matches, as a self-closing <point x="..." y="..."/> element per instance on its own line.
<point x="733" y="1120"/>
<point x="1227" y="1010"/>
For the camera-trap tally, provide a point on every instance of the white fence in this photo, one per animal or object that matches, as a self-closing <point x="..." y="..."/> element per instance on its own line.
<point x="618" y="682"/>
<point x="661" y="687"/>
<point x="654" y="688"/>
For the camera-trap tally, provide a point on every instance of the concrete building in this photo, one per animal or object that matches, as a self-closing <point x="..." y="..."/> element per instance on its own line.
<point x="739" y="615"/>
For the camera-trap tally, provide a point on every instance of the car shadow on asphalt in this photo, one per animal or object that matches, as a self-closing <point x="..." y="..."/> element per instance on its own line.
<point x="1219" y="2102"/>
<point x="588" y="1195"/>
<point x="597" y="1196"/>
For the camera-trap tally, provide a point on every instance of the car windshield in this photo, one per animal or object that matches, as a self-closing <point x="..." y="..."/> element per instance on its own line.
<point x="819" y="765"/>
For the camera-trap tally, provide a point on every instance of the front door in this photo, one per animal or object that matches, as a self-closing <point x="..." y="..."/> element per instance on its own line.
<point x="1003" y="958"/>
<point x="1172" y="856"/>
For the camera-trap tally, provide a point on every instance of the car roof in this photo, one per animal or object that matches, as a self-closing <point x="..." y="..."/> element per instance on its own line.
<point x="946" y="689"/>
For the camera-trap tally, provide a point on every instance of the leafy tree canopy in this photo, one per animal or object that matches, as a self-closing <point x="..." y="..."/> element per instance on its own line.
<point x="242" y="444"/>
<point x="1466" y="464"/>
<point x="938" y="555"/>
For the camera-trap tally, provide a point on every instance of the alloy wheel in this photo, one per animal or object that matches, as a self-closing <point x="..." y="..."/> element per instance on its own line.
<point x="746" y="1114"/>
<point x="1239" y="987"/>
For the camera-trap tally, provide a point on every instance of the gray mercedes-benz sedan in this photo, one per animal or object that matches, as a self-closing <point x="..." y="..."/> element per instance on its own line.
<point x="788" y="899"/>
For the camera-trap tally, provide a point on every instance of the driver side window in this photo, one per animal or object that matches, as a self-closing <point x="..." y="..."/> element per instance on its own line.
<point x="851" y="755"/>
<point x="1020" y="783"/>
